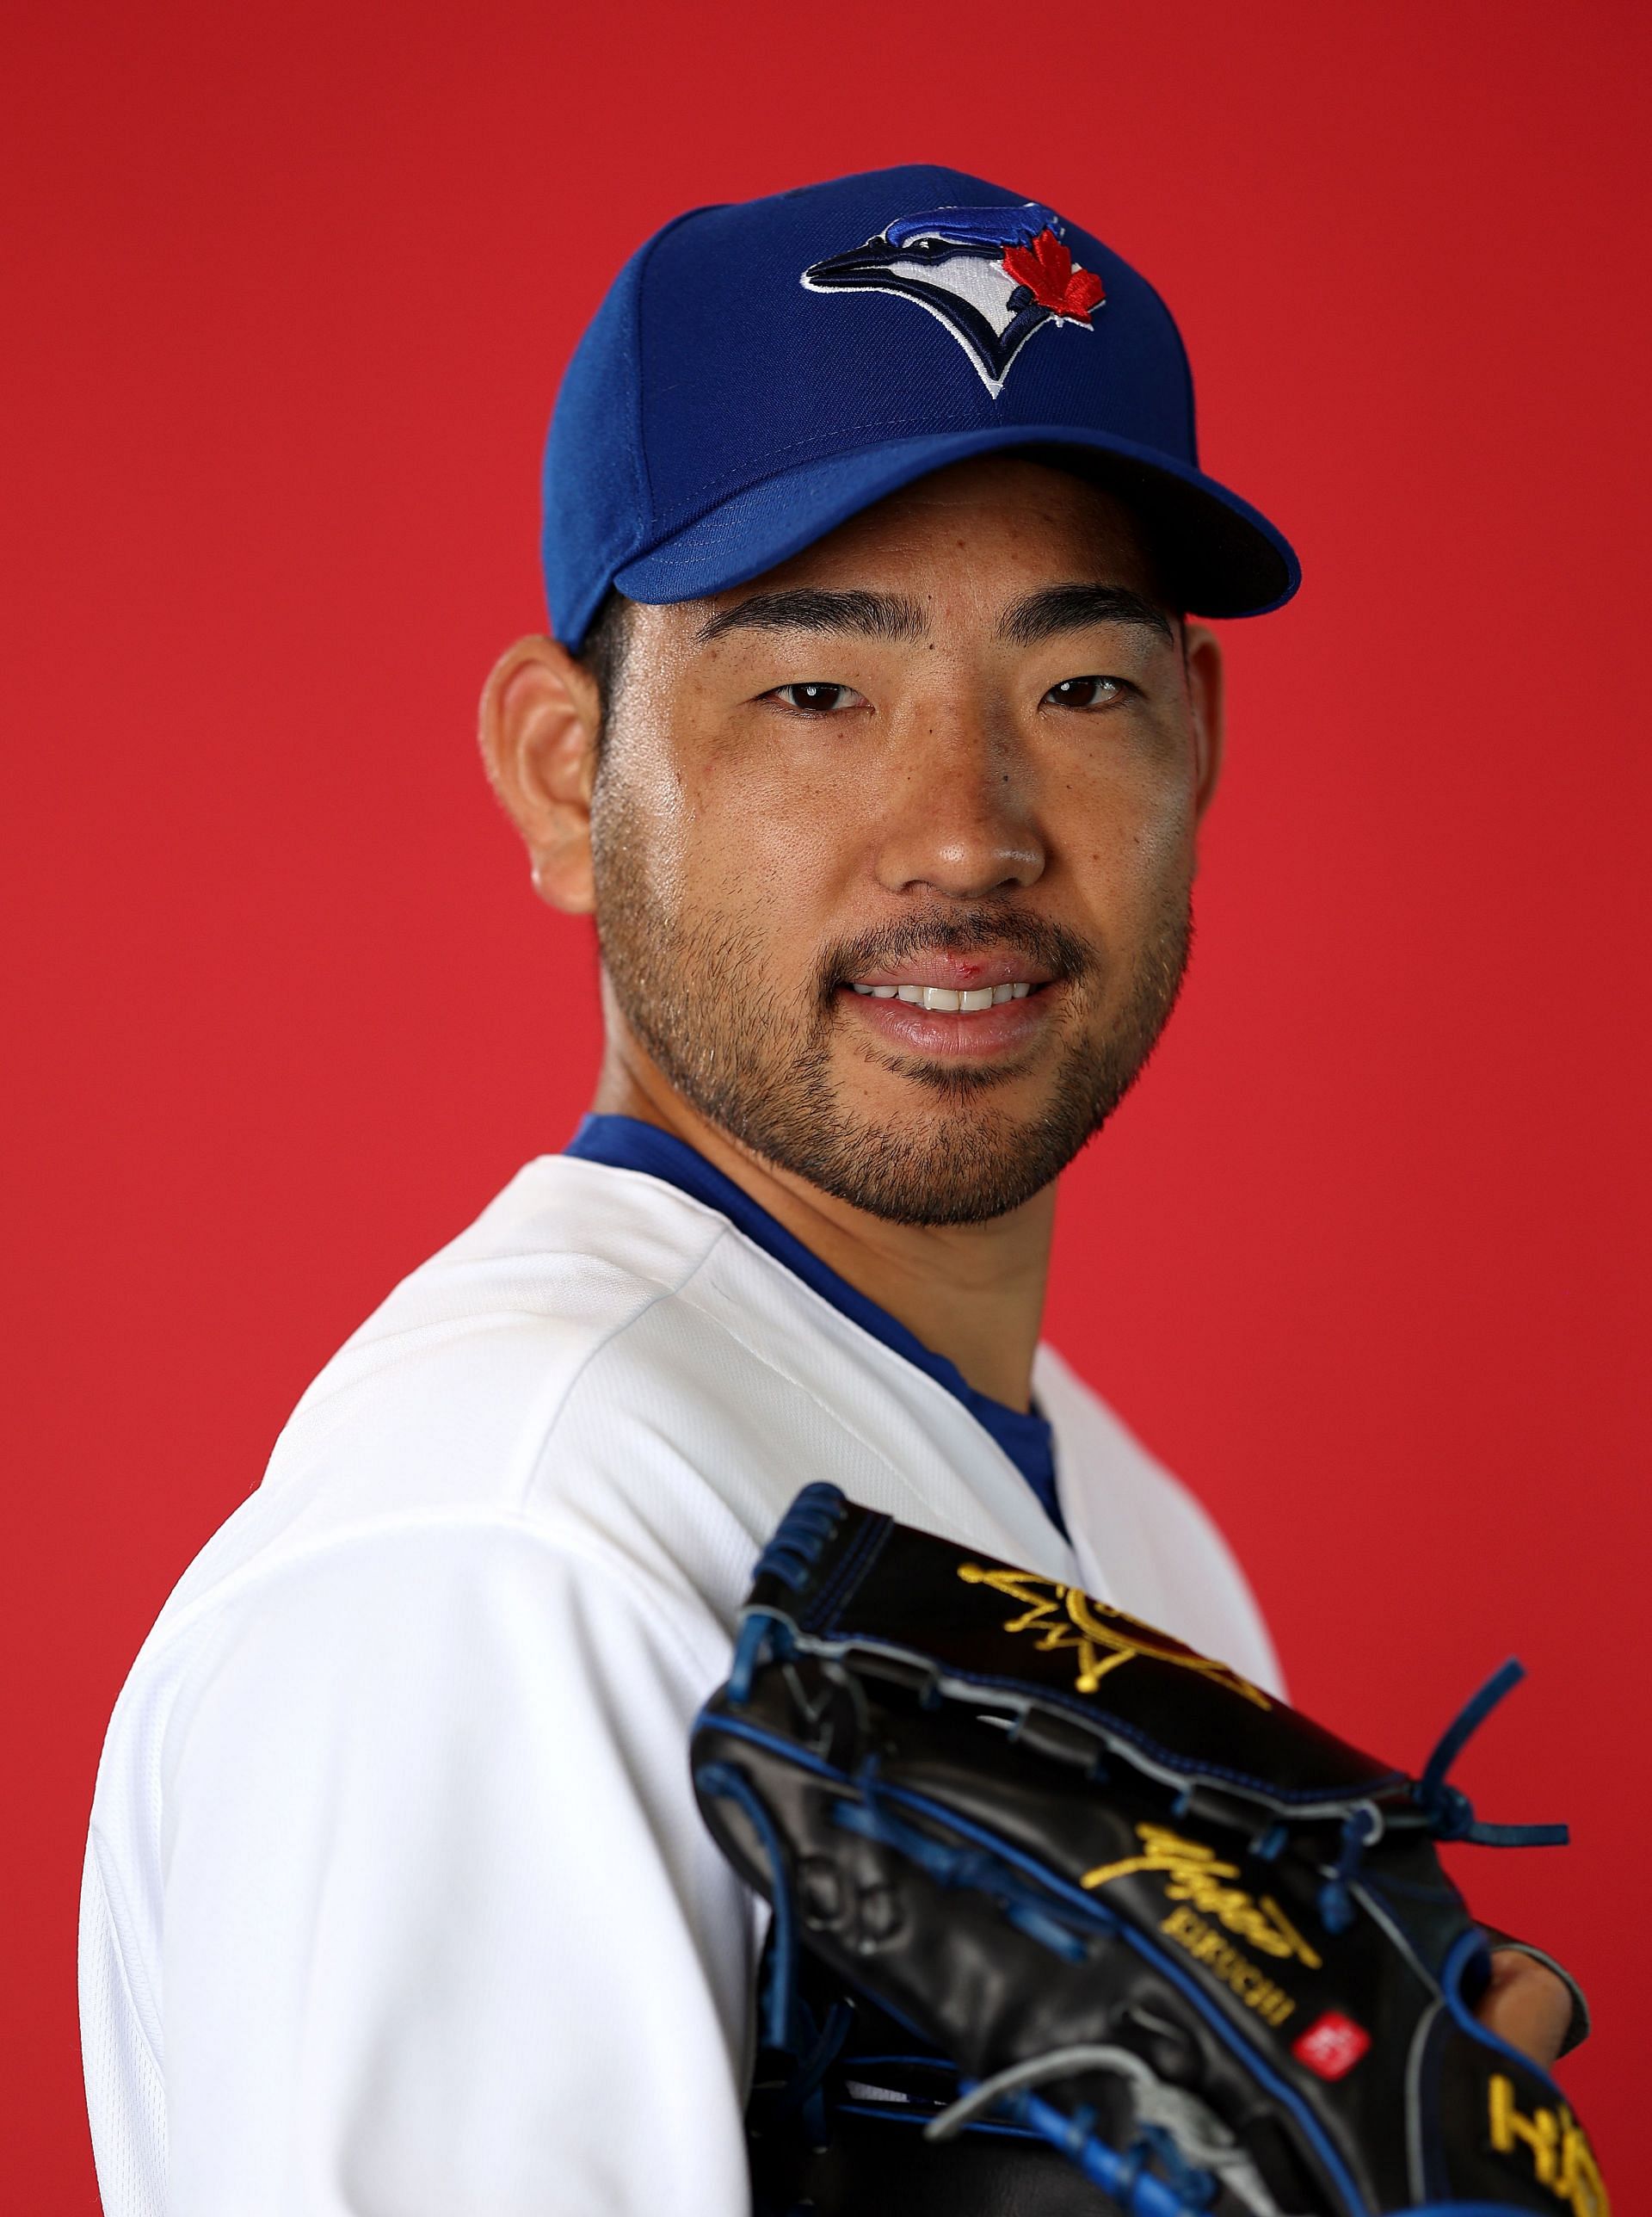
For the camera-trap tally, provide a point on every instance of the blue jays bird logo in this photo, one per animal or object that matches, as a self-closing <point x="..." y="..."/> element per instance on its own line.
<point x="992" y="275"/>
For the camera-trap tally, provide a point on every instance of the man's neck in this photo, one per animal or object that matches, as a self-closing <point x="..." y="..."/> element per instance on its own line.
<point x="973" y="1293"/>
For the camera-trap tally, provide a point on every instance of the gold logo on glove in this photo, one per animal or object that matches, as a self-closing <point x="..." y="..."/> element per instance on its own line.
<point x="1561" y="2157"/>
<point x="1102" y="1638"/>
<point x="1196" y="1875"/>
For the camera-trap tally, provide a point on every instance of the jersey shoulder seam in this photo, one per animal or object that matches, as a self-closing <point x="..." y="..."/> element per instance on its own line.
<point x="250" y="1578"/>
<point x="833" y="1413"/>
<point x="651" y="1290"/>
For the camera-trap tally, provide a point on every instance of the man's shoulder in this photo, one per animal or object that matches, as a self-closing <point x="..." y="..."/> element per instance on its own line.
<point x="603" y="1360"/>
<point x="577" y="1246"/>
<point x="441" y="1403"/>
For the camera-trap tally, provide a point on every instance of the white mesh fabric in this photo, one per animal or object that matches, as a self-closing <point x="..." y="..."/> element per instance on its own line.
<point x="125" y="2097"/>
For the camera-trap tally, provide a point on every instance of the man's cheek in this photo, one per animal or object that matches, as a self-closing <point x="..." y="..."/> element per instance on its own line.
<point x="746" y="893"/>
<point x="797" y="870"/>
<point x="1124" y="872"/>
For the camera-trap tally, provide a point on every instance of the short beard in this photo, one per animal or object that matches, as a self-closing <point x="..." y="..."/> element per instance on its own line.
<point x="695" y="993"/>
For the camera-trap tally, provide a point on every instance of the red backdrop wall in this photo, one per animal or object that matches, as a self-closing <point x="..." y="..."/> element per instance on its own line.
<point x="1364" y="1257"/>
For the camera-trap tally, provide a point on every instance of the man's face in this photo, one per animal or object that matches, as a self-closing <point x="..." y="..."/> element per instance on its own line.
<point x="893" y="846"/>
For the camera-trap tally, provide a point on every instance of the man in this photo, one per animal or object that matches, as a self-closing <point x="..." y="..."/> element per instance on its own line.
<point x="876" y="737"/>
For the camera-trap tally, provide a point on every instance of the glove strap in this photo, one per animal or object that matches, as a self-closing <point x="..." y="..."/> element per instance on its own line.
<point x="1449" y="1810"/>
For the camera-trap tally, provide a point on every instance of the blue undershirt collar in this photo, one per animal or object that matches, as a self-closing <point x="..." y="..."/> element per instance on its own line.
<point x="625" y="1143"/>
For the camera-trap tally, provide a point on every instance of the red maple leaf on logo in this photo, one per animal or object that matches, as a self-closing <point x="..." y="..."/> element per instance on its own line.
<point x="1046" y="269"/>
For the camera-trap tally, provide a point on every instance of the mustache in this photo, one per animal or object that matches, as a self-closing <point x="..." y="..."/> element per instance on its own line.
<point x="969" y="931"/>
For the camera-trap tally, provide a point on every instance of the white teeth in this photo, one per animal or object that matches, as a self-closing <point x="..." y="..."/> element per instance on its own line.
<point x="945" y="999"/>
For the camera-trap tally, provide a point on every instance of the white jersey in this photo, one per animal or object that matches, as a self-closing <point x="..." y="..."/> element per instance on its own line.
<point x="396" y="1898"/>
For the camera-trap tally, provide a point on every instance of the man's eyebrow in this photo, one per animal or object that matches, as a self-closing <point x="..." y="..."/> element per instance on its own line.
<point x="872" y="615"/>
<point x="1056" y="609"/>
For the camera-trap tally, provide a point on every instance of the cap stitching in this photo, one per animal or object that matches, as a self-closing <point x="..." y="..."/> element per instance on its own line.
<point x="638" y="446"/>
<point x="1174" y="328"/>
<point x="628" y="548"/>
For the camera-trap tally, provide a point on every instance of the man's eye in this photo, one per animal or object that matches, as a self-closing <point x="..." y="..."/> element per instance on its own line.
<point x="1087" y="692"/>
<point x="817" y="698"/>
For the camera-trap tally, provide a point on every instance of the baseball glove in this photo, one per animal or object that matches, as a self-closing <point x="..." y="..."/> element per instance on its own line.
<point x="1106" y="1895"/>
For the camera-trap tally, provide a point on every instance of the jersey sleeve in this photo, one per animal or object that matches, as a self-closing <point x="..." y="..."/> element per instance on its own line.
<point x="442" y="1929"/>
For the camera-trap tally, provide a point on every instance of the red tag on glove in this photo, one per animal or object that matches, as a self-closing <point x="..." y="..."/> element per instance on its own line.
<point x="1332" y="2045"/>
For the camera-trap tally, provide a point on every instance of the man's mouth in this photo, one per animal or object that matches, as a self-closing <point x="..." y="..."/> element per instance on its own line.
<point x="955" y="983"/>
<point x="948" y="997"/>
<point x="944" y="1006"/>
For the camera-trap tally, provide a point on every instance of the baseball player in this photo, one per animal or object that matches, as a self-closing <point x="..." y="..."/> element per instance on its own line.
<point x="874" y="734"/>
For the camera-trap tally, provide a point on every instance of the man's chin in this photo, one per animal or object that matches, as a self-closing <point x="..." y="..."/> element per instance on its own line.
<point x="963" y="1160"/>
<point x="916" y="1096"/>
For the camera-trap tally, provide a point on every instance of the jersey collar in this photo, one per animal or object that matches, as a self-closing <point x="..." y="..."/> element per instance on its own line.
<point x="626" y="1143"/>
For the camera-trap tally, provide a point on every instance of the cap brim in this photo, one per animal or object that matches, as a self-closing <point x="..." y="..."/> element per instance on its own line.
<point x="1218" y="556"/>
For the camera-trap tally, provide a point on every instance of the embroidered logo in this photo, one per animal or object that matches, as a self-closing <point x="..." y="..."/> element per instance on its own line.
<point x="1195" y="1873"/>
<point x="1555" y="2144"/>
<point x="992" y="275"/>
<point x="1098" y="1638"/>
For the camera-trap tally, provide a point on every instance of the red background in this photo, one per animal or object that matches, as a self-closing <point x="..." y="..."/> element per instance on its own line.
<point x="1365" y="1258"/>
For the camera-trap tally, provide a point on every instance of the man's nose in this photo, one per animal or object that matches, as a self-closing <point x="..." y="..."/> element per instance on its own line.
<point x="961" y="821"/>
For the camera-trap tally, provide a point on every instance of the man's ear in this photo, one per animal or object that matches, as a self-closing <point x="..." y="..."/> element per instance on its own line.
<point x="539" y="719"/>
<point x="1207" y="692"/>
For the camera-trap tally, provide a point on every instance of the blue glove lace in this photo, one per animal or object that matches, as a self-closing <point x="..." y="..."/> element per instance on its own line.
<point x="1448" y="1811"/>
<point x="801" y="1535"/>
<point x="977" y="1869"/>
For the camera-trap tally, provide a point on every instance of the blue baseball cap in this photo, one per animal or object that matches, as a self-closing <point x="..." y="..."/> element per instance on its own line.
<point x="760" y="372"/>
